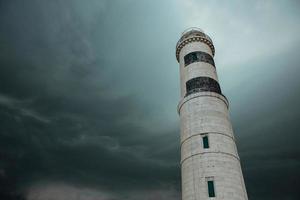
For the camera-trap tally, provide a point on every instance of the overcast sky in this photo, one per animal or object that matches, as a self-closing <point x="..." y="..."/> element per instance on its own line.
<point x="89" y="89"/>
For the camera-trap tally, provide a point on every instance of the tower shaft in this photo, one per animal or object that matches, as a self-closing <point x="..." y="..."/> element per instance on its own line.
<point x="210" y="165"/>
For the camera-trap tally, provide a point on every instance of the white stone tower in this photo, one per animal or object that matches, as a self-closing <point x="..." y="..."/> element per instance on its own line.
<point x="210" y="165"/>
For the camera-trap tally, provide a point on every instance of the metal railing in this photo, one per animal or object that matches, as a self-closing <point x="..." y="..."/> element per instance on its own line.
<point x="193" y="31"/>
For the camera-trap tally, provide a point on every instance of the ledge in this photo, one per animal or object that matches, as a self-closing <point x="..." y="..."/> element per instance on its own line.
<point x="210" y="152"/>
<point x="205" y="133"/>
<point x="186" y="41"/>
<point x="200" y="94"/>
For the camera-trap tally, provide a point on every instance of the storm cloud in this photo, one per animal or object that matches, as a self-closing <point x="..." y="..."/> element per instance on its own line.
<point x="88" y="95"/>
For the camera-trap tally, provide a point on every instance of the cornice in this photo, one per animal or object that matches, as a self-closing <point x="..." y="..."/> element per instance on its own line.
<point x="180" y="45"/>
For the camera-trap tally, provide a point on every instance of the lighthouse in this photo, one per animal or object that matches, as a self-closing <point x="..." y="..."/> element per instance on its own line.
<point x="210" y="164"/>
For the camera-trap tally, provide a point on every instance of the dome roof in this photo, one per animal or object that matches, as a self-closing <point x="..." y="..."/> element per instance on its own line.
<point x="193" y="31"/>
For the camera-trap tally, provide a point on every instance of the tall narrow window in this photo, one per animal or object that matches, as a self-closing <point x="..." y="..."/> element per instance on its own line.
<point x="211" y="188"/>
<point x="205" y="142"/>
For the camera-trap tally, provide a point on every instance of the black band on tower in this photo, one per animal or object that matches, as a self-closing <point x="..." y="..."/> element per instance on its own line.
<point x="198" y="56"/>
<point x="200" y="84"/>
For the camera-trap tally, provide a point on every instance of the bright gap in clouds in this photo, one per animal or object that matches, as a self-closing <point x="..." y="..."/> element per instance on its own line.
<point x="244" y="31"/>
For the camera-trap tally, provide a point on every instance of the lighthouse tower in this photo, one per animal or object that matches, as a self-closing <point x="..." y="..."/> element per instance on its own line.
<point x="210" y="165"/>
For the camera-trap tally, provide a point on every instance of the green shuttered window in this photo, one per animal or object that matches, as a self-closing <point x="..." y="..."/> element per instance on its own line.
<point x="205" y="142"/>
<point x="211" y="188"/>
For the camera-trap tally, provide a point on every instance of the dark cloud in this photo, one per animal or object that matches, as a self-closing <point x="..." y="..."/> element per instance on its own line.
<point x="265" y="115"/>
<point x="88" y="95"/>
<point x="65" y="116"/>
